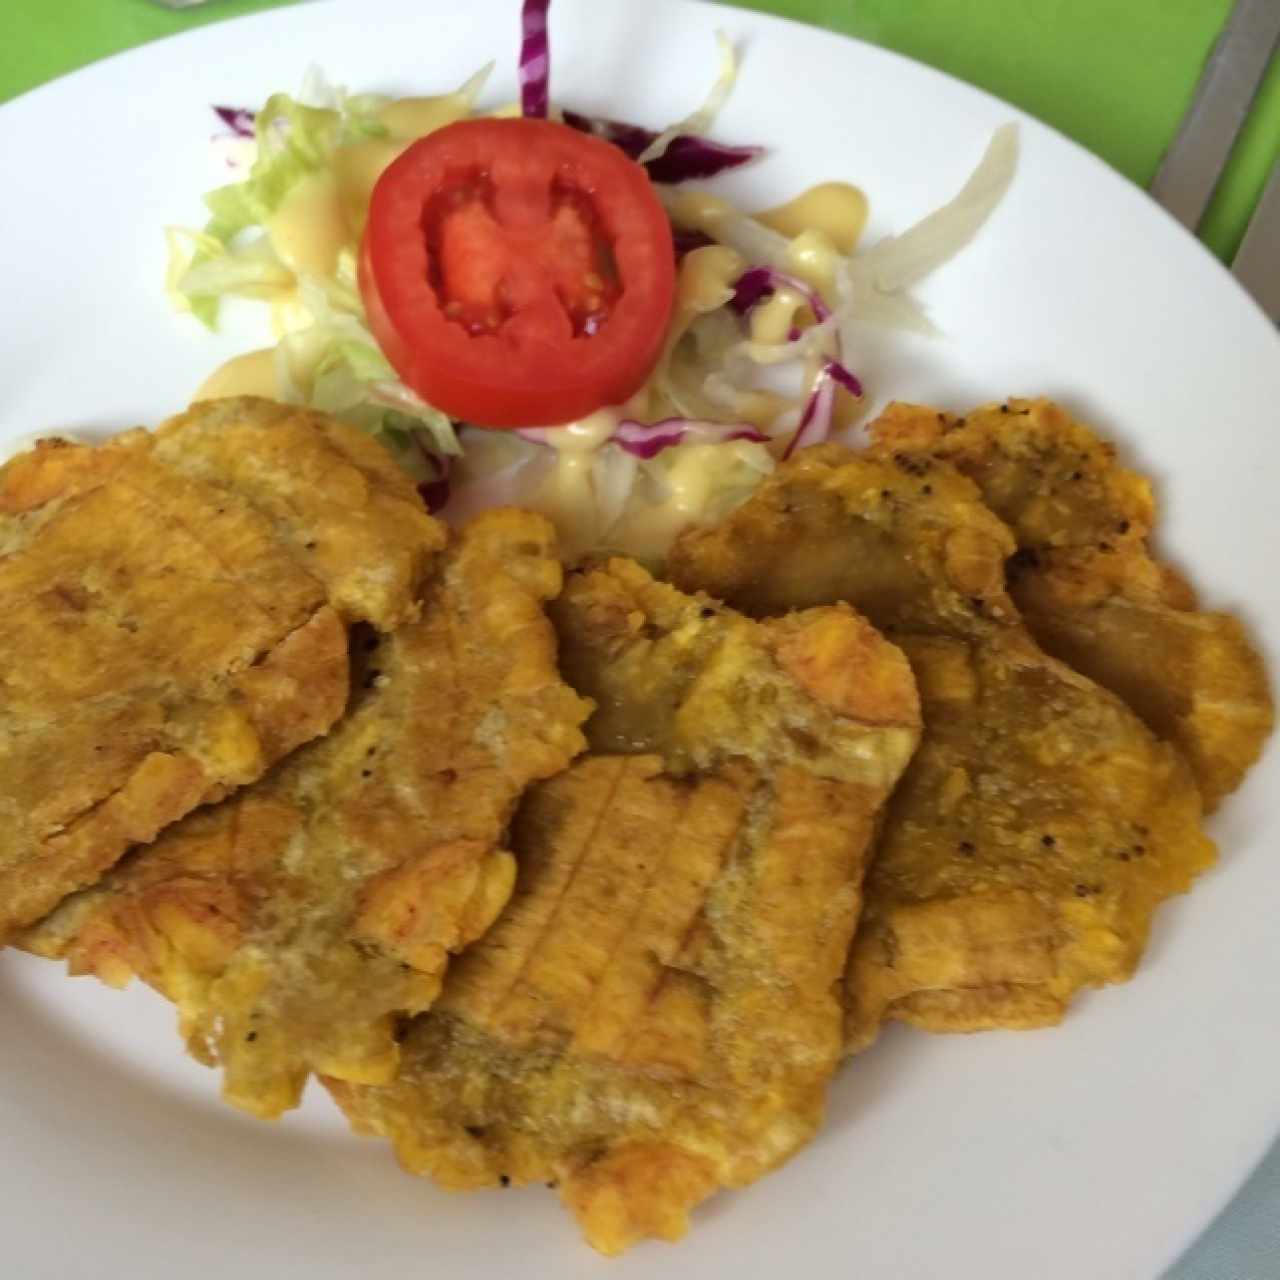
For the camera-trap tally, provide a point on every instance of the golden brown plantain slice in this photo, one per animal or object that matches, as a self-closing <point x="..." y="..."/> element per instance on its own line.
<point x="656" y="1014"/>
<point x="1088" y="586"/>
<point x="1040" y="822"/>
<point x="294" y="925"/>
<point x="172" y="620"/>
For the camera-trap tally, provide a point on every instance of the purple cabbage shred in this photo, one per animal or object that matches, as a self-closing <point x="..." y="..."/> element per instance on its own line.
<point x="240" y="120"/>
<point x="753" y="285"/>
<point x="685" y="159"/>
<point x="689" y="158"/>
<point x="646" y="440"/>
<point x="535" y="59"/>
<point x="435" y="493"/>
<point x="815" y="421"/>
<point x="759" y="282"/>
<point x="688" y="241"/>
<point x="845" y="377"/>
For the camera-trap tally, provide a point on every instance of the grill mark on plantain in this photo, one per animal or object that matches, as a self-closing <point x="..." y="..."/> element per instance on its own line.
<point x="501" y="1003"/>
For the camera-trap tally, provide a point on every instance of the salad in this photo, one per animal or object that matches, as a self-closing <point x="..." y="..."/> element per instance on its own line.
<point x="526" y="304"/>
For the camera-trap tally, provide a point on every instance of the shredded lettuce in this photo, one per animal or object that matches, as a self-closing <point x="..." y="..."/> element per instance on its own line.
<point x="334" y="364"/>
<point x="294" y="139"/>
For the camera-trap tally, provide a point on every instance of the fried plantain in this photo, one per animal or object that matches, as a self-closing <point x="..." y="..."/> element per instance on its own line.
<point x="173" y="618"/>
<point x="1087" y="584"/>
<point x="1040" y="823"/>
<point x="656" y="1013"/>
<point x="297" y="924"/>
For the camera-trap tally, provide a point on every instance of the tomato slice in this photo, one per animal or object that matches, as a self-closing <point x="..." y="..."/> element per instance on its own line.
<point x="517" y="272"/>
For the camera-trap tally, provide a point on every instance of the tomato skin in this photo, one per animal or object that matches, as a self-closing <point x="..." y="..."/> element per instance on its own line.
<point x="511" y="211"/>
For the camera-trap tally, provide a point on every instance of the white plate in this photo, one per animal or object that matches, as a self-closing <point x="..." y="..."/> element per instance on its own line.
<point x="1099" y="1149"/>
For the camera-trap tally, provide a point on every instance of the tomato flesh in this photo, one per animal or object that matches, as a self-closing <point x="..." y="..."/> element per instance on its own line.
<point x="517" y="272"/>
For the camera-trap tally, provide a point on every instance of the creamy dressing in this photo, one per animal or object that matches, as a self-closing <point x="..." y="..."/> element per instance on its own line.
<point x="410" y="118"/>
<point x="569" y="491"/>
<point x="357" y="166"/>
<point x="706" y="281"/>
<point x="308" y="230"/>
<point x="700" y="211"/>
<point x="822" y="224"/>
<point x="814" y="259"/>
<point x="289" y="315"/>
<point x="252" y="374"/>
<point x="773" y="318"/>
<point x="837" y="209"/>
<point x="691" y="474"/>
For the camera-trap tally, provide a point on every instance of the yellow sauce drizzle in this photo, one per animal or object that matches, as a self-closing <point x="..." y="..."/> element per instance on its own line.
<point x="308" y="230"/>
<point x="836" y="209"/>
<point x="252" y="374"/>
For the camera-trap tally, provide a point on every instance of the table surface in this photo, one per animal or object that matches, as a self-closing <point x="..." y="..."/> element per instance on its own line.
<point x="1117" y="77"/>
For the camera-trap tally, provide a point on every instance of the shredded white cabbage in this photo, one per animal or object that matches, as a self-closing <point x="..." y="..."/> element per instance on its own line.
<point x="700" y="121"/>
<point x="872" y="283"/>
<point x="898" y="262"/>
